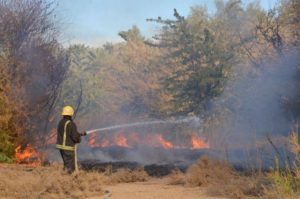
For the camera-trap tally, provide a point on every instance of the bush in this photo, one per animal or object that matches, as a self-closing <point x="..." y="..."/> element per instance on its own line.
<point x="220" y="179"/>
<point x="286" y="183"/>
<point x="5" y="159"/>
<point x="7" y="147"/>
<point x="207" y="172"/>
<point x="127" y="176"/>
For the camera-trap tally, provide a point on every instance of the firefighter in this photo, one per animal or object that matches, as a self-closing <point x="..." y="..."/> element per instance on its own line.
<point x="67" y="137"/>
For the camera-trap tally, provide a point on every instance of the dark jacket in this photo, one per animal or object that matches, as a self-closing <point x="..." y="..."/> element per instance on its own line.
<point x="67" y="134"/>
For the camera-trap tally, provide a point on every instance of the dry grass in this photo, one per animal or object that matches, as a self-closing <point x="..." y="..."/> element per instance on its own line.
<point x="208" y="172"/>
<point x="48" y="182"/>
<point x="241" y="187"/>
<point x="205" y="172"/>
<point x="220" y="179"/>
<point x="295" y="146"/>
<point x="127" y="176"/>
<point x="286" y="183"/>
<point x="177" y="178"/>
<point x="19" y="181"/>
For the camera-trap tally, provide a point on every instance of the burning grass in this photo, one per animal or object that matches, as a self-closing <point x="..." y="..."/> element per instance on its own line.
<point x="221" y="179"/>
<point x="218" y="178"/>
<point x="156" y="140"/>
<point x="28" y="155"/>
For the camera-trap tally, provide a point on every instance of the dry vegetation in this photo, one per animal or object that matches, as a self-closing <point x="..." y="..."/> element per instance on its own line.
<point x="48" y="182"/>
<point x="286" y="182"/>
<point x="127" y="176"/>
<point x="222" y="180"/>
<point x="216" y="178"/>
<point x="32" y="56"/>
<point x="18" y="181"/>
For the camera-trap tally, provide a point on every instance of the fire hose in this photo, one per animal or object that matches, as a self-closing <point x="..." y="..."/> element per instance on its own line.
<point x="75" y="155"/>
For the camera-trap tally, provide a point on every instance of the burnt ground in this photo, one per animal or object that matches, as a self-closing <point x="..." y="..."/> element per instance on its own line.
<point x="154" y="170"/>
<point x="161" y="162"/>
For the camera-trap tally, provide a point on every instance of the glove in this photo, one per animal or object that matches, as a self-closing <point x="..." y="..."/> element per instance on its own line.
<point x="83" y="133"/>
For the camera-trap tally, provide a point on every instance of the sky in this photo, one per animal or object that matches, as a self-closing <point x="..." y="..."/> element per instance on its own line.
<point x="95" y="22"/>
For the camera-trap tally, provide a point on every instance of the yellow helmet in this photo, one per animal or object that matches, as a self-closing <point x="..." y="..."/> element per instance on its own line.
<point x="68" y="110"/>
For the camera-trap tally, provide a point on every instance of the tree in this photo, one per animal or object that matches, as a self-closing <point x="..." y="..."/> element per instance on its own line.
<point x="33" y="66"/>
<point x="83" y="79"/>
<point x="197" y="61"/>
<point x="132" y="34"/>
<point x="269" y="28"/>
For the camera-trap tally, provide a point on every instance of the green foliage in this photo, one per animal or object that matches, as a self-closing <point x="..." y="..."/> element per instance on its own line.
<point x="181" y="72"/>
<point x="5" y="159"/>
<point x="287" y="181"/>
<point x="132" y="34"/>
<point x="7" y="146"/>
<point x="83" y="85"/>
<point x="197" y="59"/>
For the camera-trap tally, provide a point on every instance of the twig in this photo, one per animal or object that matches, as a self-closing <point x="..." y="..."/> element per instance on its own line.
<point x="272" y="144"/>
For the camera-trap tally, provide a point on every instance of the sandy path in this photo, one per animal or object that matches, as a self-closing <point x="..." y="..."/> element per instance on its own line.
<point x="154" y="189"/>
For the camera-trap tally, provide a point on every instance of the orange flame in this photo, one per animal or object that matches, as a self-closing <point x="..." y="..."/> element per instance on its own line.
<point x="130" y="140"/>
<point x="166" y="144"/>
<point x="197" y="143"/>
<point x="117" y="140"/>
<point x="121" y="140"/>
<point x="28" y="156"/>
<point x="103" y="142"/>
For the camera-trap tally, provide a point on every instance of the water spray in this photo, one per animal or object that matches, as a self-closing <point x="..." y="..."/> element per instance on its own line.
<point x="195" y="120"/>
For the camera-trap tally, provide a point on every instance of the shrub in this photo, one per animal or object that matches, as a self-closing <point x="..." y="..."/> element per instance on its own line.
<point x="7" y="147"/>
<point x="126" y="176"/>
<point x="207" y="172"/>
<point x="286" y="183"/>
<point x="5" y="159"/>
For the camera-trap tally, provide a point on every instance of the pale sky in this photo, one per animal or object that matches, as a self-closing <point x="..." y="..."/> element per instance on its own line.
<point x="94" y="22"/>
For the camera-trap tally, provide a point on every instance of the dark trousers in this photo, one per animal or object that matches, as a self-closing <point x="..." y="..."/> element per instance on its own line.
<point x="69" y="160"/>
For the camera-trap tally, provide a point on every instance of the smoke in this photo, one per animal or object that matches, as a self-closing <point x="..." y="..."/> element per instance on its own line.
<point x="251" y="113"/>
<point x="142" y="142"/>
<point x="244" y="120"/>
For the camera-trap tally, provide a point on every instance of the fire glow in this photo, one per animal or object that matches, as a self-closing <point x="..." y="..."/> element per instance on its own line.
<point x="197" y="143"/>
<point x="131" y="140"/>
<point x="28" y="155"/>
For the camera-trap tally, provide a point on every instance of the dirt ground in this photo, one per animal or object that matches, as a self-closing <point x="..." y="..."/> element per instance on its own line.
<point x="154" y="189"/>
<point x="18" y="181"/>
